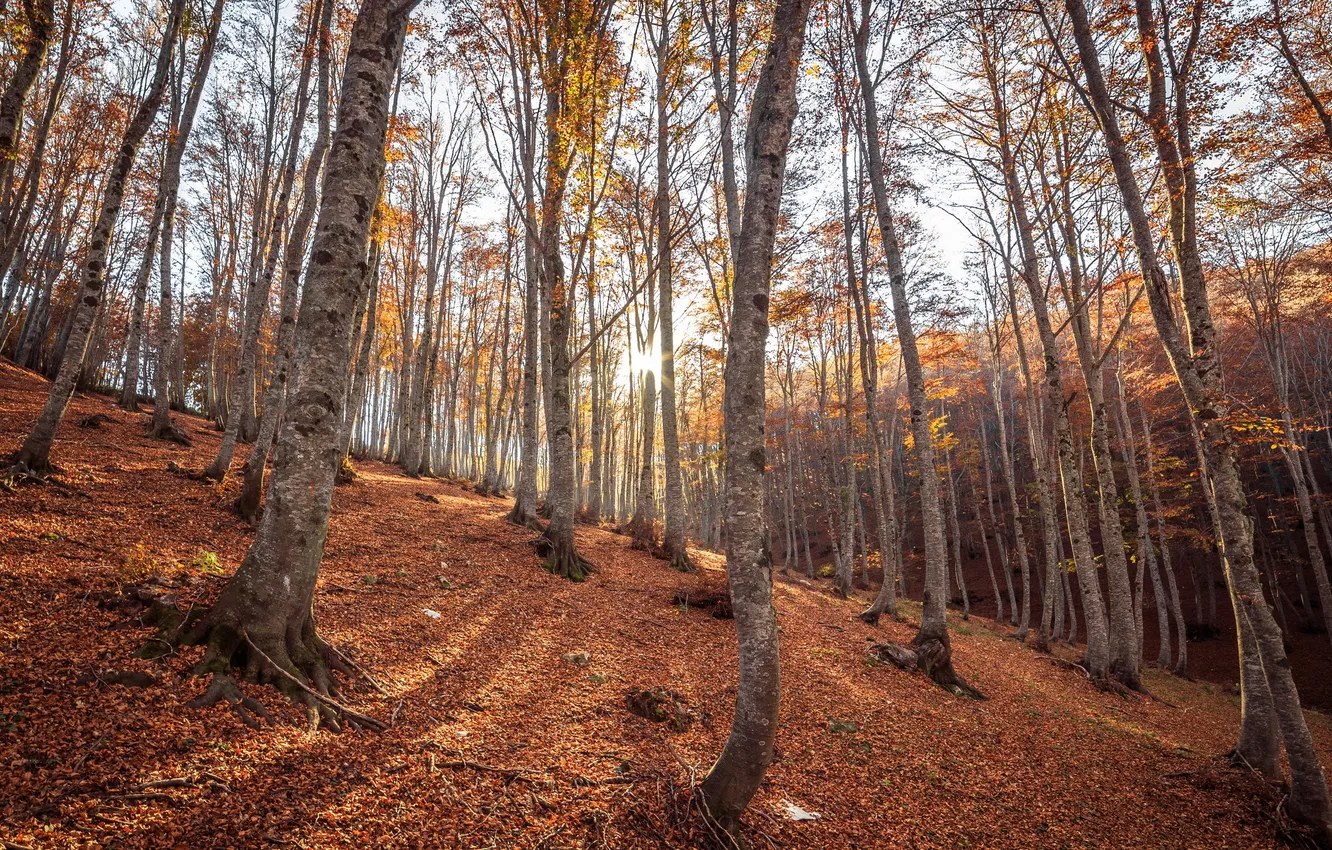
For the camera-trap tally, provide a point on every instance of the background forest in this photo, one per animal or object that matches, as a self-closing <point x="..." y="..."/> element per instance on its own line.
<point x="1025" y="311"/>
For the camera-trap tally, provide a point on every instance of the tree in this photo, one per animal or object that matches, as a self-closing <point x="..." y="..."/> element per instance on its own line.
<point x="733" y="779"/>
<point x="1194" y="358"/>
<point x="34" y="458"/>
<point x="263" y="621"/>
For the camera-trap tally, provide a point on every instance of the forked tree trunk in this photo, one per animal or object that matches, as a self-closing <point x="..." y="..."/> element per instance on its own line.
<point x="736" y="775"/>
<point x="1098" y="637"/>
<point x="263" y="622"/>
<point x="1195" y="360"/>
<point x="1125" y="645"/>
<point x="35" y="455"/>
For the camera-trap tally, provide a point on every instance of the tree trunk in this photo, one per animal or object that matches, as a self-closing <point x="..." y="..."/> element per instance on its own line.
<point x="736" y="775"/>
<point x="673" y="537"/>
<point x="129" y="387"/>
<point x="1196" y="362"/>
<point x="931" y="642"/>
<point x="248" y="503"/>
<point x="263" y="621"/>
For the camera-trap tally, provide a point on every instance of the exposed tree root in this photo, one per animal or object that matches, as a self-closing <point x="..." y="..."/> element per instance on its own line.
<point x="25" y="471"/>
<point x="875" y="612"/>
<point x="224" y="689"/>
<point x="346" y="472"/>
<point x="248" y="506"/>
<point x="930" y="655"/>
<point x="936" y="661"/>
<point x="301" y="667"/>
<point x="561" y="558"/>
<point x="680" y="561"/>
<point x="524" y="518"/>
<point x="170" y="433"/>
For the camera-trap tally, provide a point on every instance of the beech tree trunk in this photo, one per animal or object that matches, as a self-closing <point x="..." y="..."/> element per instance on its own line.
<point x="263" y="622"/>
<point x="931" y="642"/>
<point x="248" y="502"/>
<point x="1196" y="362"/>
<point x="129" y="388"/>
<point x="168" y="192"/>
<point x="673" y="536"/>
<point x="736" y="775"/>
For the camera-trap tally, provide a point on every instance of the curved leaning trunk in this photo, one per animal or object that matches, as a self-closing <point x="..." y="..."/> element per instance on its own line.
<point x="736" y="775"/>
<point x="931" y="641"/>
<point x="1196" y="363"/>
<point x="41" y="22"/>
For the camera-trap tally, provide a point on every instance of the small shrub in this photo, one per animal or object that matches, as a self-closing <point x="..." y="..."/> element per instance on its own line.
<point x="139" y="563"/>
<point x="207" y="562"/>
<point x="827" y="571"/>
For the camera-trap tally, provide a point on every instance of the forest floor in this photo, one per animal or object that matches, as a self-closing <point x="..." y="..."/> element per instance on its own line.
<point x="496" y="740"/>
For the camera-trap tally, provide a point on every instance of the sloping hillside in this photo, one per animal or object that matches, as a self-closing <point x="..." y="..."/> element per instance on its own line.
<point x="496" y="740"/>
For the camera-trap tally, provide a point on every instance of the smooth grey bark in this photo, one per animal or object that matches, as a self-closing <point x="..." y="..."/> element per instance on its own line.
<point x="129" y="388"/>
<point x="673" y="536"/>
<point x="733" y="779"/>
<point x="264" y="617"/>
<point x="242" y="421"/>
<point x="1125" y="629"/>
<point x="524" y="511"/>
<point x="34" y="457"/>
<point x="1146" y="550"/>
<point x="167" y="194"/>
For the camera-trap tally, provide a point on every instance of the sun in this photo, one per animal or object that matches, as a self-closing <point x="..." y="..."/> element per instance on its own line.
<point x="643" y="361"/>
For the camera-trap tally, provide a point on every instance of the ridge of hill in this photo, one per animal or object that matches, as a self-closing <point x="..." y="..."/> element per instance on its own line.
<point x="501" y="734"/>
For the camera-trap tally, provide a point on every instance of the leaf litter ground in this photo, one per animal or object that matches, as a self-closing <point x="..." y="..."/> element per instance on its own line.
<point x="496" y="739"/>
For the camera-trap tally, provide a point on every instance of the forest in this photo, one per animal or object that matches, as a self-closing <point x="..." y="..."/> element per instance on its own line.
<point x="667" y="423"/>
